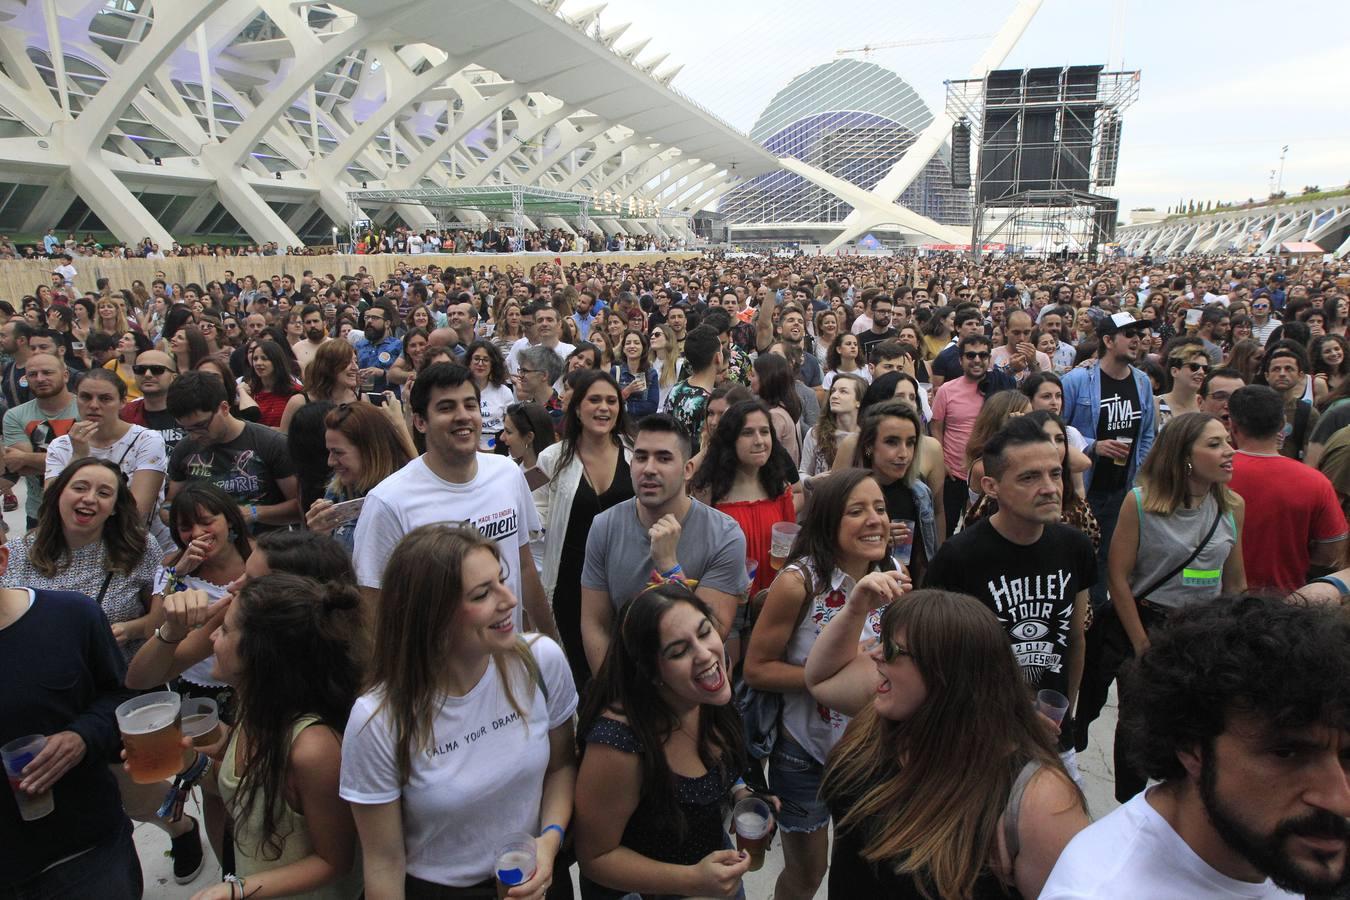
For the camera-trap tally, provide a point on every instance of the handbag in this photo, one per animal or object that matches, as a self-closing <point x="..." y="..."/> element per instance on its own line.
<point x="1214" y="526"/>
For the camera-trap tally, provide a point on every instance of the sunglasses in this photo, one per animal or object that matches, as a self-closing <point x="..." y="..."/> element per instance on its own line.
<point x="973" y="354"/>
<point x="151" y="370"/>
<point x="890" y="649"/>
<point x="1197" y="367"/>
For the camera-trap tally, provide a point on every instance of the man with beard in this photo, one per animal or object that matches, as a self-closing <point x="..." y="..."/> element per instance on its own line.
<point x="311" y="318"/>
<point x="1241" y="708"/>
<point x="377" y="350"/>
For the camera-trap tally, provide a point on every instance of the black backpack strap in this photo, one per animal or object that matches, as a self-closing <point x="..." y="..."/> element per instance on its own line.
<point x="1299" y="437"/>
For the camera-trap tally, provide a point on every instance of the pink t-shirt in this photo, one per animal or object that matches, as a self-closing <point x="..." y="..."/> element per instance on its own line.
<point x="956" y="405"/>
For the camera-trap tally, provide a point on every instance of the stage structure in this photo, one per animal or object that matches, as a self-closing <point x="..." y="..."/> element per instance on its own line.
<point x="1046" y="143"/>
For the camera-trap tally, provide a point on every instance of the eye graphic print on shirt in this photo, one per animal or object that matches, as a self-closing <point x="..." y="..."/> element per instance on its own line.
<point x="1035" y="611"/>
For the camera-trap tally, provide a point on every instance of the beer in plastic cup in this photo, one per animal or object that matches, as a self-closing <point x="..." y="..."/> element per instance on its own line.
<point x="515" y="862"/>
<point x="1129" y="444"/>
<point x="201" y="721"/>
<point x="903" y="553"/>
<point x="781" y="537"/>
<point x="17" y="755"/>
<point x="1052" y="705"/>
<point x="753" y="820"/>
<point x="151" y="736"/>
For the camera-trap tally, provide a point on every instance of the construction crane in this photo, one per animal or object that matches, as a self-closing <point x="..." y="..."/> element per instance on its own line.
<point x="868" y="49"/>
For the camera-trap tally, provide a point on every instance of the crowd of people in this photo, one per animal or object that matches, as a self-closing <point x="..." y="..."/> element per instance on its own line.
<point x="593" y="552"/>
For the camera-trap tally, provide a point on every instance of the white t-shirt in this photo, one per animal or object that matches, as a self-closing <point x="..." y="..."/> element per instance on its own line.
<point x="1134" y="853"/>
<point x="497" y="502"/>
<point x="482" y="776"/>
<point x="198" y="673"/>
<point x="492" y="403"/>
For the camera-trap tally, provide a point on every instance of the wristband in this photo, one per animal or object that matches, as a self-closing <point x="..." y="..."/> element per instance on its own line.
<point x="253" y="511"/>
<point x="562" y="833"/>
<point x="672" y="573"/>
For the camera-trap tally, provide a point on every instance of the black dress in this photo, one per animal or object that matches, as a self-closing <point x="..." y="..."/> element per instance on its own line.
<point x="567" y="591"/>
<point x="699" y="799"/>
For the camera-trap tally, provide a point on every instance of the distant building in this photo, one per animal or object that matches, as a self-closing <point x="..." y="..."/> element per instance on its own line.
<point x="854" y="120"/>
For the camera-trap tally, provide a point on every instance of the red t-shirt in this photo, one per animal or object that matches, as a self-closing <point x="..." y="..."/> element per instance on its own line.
<point x="1289" y="505"/>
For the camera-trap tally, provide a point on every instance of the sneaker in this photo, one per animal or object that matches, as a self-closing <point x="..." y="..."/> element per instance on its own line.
<point x="186" y="850"/>
<point x="11" y="502"/>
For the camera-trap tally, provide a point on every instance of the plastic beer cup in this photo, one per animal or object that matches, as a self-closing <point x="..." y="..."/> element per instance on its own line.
<point x="151" y="735"/>
<point x="903" y="553"/>
<point x="781" y="537"/>
<point x="1129" y="445"/>
<point x="753" y="820"/>
<point x="515" y="862"/>
<point x="17" y="755"/>
<point x="201" y="721"/>
<point x="1052" y="705"/>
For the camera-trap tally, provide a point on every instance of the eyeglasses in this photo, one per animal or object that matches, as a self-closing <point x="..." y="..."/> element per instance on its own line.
<point x="523" y="372"/>
<point x="198" y="428"/>
<point x="151" y="370"/>
<point x="976" y="354"/>
<point x="1197" y="367"/>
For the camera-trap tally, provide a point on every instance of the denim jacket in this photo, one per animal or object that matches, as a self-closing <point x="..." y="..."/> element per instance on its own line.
<point x="923" y="501"/>
<point x="1082" y="404"/>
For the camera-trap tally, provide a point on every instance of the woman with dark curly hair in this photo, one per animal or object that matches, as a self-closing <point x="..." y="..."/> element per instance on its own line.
<point x="660" y="707"/>
<point x="749" y="476"/>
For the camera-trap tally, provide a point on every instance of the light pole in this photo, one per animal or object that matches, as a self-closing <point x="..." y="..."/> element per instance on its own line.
<point x="335" y="244"/>
<point x="1279" y="185"/>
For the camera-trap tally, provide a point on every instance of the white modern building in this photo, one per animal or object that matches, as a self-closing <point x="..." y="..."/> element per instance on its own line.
<point x="854" y="120"/>
<point x="255" y="121"/>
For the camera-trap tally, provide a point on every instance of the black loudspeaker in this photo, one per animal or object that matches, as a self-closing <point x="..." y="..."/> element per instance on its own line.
<point x="1109" y="155"/>
<point x="961" y="154"/>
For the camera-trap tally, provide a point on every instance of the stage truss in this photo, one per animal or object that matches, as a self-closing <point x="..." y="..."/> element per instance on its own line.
<point x="1065" y="203"/>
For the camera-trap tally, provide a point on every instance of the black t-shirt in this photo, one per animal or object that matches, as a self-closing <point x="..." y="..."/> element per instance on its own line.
<point x="247" y="468"/>
<point x="1332" y="421"/>
<point x="1118" y="418"/>
<point x="900" y="504"/>
<point x="160" y="420"/>
<point x="1030" y="588"/>
<point x="948" y="363"/>
<point x="869" y="339"/>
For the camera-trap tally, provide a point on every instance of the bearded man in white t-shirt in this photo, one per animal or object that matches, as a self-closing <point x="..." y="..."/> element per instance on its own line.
<point x="453" y="482"/>
<point x="1241" y="708"/>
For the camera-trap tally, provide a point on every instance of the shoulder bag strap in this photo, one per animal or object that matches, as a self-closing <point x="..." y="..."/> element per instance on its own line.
<point x="1186" y="562"/>
<point x="107" y="579"/>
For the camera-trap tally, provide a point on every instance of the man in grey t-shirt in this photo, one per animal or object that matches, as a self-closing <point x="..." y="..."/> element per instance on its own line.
<point x="661" y="529"/>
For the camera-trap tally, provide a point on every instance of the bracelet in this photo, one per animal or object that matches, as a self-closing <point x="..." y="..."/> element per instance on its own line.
<point x="165" y="640"/>
<point x="253" y="511"/>
<point x="562" y="833"/>
<point x="672" y="573"/>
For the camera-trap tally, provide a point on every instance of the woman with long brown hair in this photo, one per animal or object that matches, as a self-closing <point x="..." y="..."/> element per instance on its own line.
<point x="332" y="376"/>
<point x="364" y="448"/>
<point x="464" y="734"/>
<point x="946" y="783"/>
<point x="838" y="420"/>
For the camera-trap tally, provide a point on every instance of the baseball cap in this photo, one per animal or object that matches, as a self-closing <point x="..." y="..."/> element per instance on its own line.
<point x="1114" y="324"/>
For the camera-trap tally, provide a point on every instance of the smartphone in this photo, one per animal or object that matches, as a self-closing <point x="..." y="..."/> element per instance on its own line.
<point x="376" y="398"/>
<point x="346" y="511"/>
<point x="535" y="478"/>
<point x="77" y="346"/>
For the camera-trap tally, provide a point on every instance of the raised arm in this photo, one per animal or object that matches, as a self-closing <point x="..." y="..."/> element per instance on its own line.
<point x="838" y="673"/>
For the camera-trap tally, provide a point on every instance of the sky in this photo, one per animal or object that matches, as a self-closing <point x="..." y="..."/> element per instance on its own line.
<point x="1223" y="85"/>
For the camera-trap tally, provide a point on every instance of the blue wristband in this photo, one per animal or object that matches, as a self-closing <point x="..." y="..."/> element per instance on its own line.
<point x="558" y="828"/>
<point x="673" y="572"/>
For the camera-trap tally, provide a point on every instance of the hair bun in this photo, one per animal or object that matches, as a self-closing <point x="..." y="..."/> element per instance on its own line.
<point x="340" y="598"/>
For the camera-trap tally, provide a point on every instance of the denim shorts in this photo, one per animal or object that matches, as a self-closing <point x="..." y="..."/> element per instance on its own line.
<point x="794" y="777"/>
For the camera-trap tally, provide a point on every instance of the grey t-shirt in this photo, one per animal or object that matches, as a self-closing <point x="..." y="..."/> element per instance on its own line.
<point x="619" y="555"/>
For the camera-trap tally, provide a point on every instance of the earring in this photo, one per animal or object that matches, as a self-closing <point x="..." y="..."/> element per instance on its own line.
<point x="1189" y="468"/>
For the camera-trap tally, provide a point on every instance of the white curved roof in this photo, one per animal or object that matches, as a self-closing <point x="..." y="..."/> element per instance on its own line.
<point x="843" y="85"/>
<point x="175" y="119"/>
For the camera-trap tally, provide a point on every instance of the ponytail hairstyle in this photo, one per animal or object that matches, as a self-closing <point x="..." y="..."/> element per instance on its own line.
<point x="300" y="645"/>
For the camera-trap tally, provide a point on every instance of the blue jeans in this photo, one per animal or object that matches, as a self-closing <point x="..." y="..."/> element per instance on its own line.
<point x="110" y="871"/>
<point x="1106" y="507"/>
